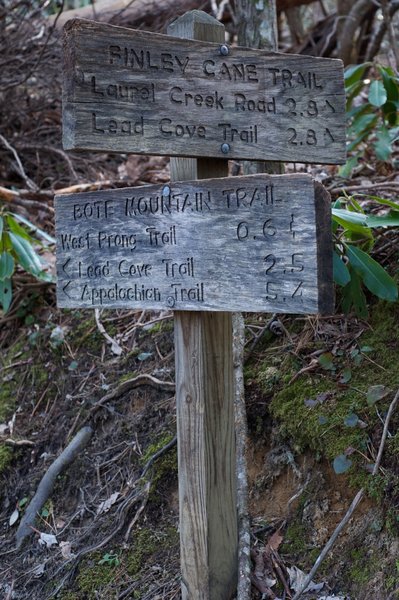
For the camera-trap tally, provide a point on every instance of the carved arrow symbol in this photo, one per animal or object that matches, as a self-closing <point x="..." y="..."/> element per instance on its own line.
<point x="64" y="289"/>
<point x="65" y="264"/>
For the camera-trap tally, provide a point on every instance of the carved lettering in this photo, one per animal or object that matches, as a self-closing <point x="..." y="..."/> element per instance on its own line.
<point x="249" y="135"/>
<point x="115" y="127"/>
<point x="169" y="129"/>
<point x="125" y="92"/>
<point x="295" y="79"/>
<point x="178" y="96"/>
<point x="235" y="72"/>
<point x="192" y="245"/>
<point x="145" y="60"/>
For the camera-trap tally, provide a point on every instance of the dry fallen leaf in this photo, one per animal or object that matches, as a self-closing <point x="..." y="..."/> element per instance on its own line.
<point x="3" y="428"/>
<point x="275" y="540"/>
<point x="39" y="570"/>
<point x="14" y="517"/>
<point x="297" y="579"/>
<point x="66" y="550"/>
<point x="106" y="505"/>
<point x="47" y="539"/>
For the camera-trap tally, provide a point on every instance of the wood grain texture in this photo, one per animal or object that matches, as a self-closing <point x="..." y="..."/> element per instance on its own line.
<point x="133" y="91"/>
<point x="205" y="411"/>
<point x="324" y="250"/>
<point x="260" y="243"/>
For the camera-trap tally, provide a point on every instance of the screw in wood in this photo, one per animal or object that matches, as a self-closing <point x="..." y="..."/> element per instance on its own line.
<point x="225" y="148"/>
<point x="224" y="50"/>
<point x="170" y="301"/>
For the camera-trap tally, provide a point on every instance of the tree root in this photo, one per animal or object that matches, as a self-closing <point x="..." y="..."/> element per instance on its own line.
<point x="127" y="385"/>
<point x="139" y="493"/>
<point x="47" y="483"/>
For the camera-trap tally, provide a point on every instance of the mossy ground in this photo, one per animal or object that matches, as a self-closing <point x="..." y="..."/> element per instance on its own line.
<point x="312" y="409"/>
<point x="313" y="413"/>
<point x="10" y="383"/>
<point x="105" y="573"/>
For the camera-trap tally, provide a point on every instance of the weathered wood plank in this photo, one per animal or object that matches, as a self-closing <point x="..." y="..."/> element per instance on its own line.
<point x="205" y="410"/>
<point x="133" y="91"/>
<point x="207" y="489"/>
<point x="231" y="244"/>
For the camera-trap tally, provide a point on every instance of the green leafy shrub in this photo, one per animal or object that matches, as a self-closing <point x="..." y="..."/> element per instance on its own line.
<point x="354" y="268"/>
<point x="372" y="109"/>
<point x="17" y="248"/>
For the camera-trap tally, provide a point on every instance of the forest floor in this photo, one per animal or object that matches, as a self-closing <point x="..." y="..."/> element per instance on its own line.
<point x="317" y="392"/>
<point x="307" y="383"/>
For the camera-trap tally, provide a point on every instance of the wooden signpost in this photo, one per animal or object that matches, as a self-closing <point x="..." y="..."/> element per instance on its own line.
<point x="204" y="245"/>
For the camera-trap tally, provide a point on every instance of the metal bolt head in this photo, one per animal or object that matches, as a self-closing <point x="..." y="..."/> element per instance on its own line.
<point x="166" y="191"/>
<point x="224" y="50"/>
<point x="225" y="148"/>
<point x="170" y="301"/>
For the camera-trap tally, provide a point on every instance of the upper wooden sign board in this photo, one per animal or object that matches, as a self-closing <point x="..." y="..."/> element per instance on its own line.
<point x="257" y="243"/>
<point x="146" y="93"/>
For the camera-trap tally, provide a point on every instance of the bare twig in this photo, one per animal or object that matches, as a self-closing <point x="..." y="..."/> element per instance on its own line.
<point x="31" y="184"/>
<point x="352" y="507"/>
<point x="146" y="493"/>
<point x="115" y="347"/>
<point x="39" y="58"/>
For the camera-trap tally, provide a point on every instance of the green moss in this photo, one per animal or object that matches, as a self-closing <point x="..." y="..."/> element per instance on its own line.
<point x="363" y="565"/>
<point x="96" y="580"/>
<point x="39" y="375"/>
<point x="127" y="376"/>
<point x="144" y="545"/>
<point x="322" y="427"/>
<point x="6" y="456"/>
<point x="7" y="399"/>
<point x="147" y="542"/>
<point x="295" y="539"/>
<point x="164" y="466"/>
<point x="8" y="393"/>
<point x="85" y="334"/>
<point x="94" y="577"/>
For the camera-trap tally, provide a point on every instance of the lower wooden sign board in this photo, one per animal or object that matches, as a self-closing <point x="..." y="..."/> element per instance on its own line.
<point x="253" y="244"/>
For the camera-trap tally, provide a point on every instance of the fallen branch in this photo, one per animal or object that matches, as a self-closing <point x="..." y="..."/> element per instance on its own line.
<point x="48" y="480"/>
<point x="130" y="10"/>
<point x="352" y="507"/>
<point x="86" y="187"/>
<point x="22" y="198"/>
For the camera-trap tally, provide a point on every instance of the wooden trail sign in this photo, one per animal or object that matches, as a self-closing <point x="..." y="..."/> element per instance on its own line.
<point x="203" y="247"/>
<point x="260" y="243"/>
<point x="132" y="91"/>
